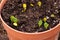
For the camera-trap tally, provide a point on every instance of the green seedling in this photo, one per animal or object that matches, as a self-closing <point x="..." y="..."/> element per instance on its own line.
<point x="40" y="22"/>
<point x="14" y="20"/>
<point x="46" y="25"/>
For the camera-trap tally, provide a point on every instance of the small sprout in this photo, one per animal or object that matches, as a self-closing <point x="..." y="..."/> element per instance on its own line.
<point x="52" y="15"/>
<point x="13" y="19"/>
<point x="44" y="19"/>
<point x="39" y="3"/>
<point x="40" y="23"/>
<point x="23" y="10"/>
<point x="15" y="24"/>
<point x="46" y="25"/>
<point x="24" y="5"/>
<point x="31" y="4"/>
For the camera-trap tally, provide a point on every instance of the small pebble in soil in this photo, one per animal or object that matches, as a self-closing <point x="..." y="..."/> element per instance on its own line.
<point x="47" y="17"/>
<point x="55" y="3"/>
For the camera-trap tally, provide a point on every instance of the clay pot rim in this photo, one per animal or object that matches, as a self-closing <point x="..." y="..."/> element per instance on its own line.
<point x="27" y="32"/>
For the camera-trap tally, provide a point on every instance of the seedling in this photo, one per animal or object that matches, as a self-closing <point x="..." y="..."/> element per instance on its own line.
<point x="24" y="6"/>
<point x="31" y="5"/>
<point x="40" y="22"/>
<point x="39" y="3"/>
<point x="46" y="25"/>
<point x="44" y="19"/>
<point x="15" y="24"/>
<point x="23" y="10"/>
<point x="52" y="15"/>
<point x="14" y="20"/>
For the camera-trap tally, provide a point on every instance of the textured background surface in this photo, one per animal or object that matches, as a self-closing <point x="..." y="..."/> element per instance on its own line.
<point x="3" y="34"/>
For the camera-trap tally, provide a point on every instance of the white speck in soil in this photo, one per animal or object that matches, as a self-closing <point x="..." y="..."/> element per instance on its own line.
<point x="57" y="11"/>
<point x="54" y="21"/>
<point x="22" y="26"/>
<point x="49" y="11"/>
<point x="55" y="3"/>
<point x="47" y="17"/>
<point x="56" y="7"/>
<point x="26" y="16"/>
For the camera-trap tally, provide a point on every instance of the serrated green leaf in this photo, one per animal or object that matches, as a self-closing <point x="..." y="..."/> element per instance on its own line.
<point x="40" y="23"/>
<point x="13" y="19"/>
<point x="46" y="25"/>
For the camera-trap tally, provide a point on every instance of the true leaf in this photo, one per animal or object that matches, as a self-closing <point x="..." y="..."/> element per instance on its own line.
<point x="46" y="25"/>
<point x="40" y="23"/>
<point x="13" y="19"/>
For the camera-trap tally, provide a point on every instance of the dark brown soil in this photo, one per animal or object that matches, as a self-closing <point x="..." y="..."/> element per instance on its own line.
<point x="3" y="33"/>
<point x="28" y="20"/>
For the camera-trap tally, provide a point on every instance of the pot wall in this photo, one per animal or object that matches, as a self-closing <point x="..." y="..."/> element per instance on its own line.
<point x="50" y="35"/>
<point x="17" y="35"/>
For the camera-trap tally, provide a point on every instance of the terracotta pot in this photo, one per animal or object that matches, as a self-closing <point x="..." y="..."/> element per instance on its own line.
<point x="13" y="34"/>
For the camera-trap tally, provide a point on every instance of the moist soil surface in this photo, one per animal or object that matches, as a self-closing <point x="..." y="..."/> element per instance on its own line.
<point x="28" y="20"/>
